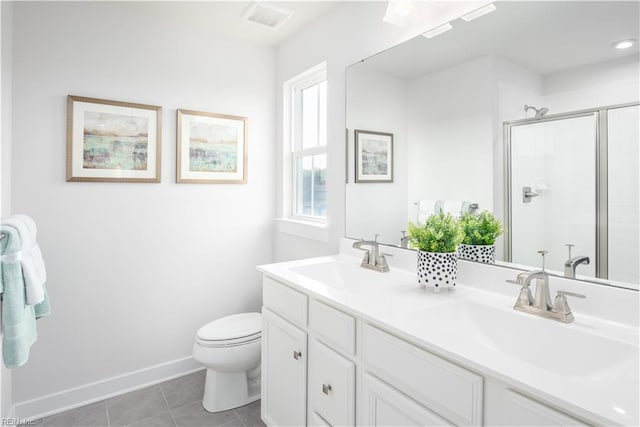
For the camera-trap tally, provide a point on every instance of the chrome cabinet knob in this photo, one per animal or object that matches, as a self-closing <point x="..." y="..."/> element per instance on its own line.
<point x="326" y="388"/>
<point x="297" y="354"/>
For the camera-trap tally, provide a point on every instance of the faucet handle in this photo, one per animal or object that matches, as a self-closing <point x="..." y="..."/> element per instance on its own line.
<point x="543" y="253"/>
<point x="525" y="297"/>
<point x="560" y="304"/>
<point x="571" y="294"/>
<point x="569" y="246"/>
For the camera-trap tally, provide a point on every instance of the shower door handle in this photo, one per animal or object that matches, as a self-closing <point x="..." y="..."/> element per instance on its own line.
<point x="528" y="194"/>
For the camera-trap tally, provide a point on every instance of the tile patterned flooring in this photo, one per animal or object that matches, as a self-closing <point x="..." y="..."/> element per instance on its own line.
<point x="174" y="403"/>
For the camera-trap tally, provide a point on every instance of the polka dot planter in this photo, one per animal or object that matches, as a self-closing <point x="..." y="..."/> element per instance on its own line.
<point x="478" y="253"/>
<point x="437" y="270"/>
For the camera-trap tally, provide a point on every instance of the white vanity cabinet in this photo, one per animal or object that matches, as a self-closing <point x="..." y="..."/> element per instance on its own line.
<point x="307" y="375"/>
<point x="284" y="355"/>
<point x="452" y="392"/>
<point x="508" y="407"/>
<point x="323" y="365"/>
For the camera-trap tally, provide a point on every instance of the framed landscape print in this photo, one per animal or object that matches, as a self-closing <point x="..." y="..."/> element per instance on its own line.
<point x="112" y="141"/>
<point x="374" y="156"/>
<point x="212" y="148"/>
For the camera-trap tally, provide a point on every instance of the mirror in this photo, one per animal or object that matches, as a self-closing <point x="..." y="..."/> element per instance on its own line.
<point x="563" y="171"/>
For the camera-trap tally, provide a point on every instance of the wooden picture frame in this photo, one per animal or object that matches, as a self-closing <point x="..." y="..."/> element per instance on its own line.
<point x="373" y="157"/>
<point x="211" y="148"/>
<point x="113" y="141"/>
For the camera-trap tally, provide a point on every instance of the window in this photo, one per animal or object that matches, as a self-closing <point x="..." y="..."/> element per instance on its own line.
<point x="305" y="146"/>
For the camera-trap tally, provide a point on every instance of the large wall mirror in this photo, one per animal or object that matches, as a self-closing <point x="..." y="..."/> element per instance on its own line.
<point x="530" y="112"/>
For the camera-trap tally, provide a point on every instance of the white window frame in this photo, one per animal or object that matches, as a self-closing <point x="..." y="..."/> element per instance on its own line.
<point x="309" y="226"/>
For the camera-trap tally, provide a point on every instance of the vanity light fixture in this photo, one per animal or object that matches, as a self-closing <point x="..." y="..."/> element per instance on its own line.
<point x="624" y="44"/>
<point x="437" y="31"/>
<point x="478" y="12"/>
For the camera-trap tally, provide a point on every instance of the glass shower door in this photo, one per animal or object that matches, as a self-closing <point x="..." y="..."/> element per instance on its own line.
<point x="623" y="136"/>
<point x="553" y="191"/>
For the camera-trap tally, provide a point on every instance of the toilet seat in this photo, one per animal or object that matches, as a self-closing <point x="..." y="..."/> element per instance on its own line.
<point x="237" y="329"/>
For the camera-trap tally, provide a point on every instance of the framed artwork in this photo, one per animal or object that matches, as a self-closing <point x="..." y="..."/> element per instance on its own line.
<point x="212" y="148"/>
<point x="112" y="141"/>
<point x="374" y="156"/>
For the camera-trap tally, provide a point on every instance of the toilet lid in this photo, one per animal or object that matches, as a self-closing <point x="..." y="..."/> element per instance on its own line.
<point x="243" y="325"/>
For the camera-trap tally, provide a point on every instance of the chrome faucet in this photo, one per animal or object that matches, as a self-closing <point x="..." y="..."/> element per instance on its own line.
<point x="372" y="259"/>
<point x="541" y="305"/>
<point x="571" y="264"/>
<point x="404" y="240"/>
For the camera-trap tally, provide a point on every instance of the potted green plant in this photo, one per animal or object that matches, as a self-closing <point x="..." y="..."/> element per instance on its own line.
<point x="436" y="241"/>
<point x="480" y="233"/>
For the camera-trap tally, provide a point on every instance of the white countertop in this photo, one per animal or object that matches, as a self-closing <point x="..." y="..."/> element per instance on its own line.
<point x="588" y="367"/>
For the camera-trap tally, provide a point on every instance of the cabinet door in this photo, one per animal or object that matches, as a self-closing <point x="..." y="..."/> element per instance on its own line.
<point x="284" y="372"/>
<point x="385" y="406"/>
<point x="331" y="385"/>
<point x="514" y="409"/>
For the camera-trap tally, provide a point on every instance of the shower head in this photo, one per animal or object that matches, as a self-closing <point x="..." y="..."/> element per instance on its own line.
<point x="539" y="111"/>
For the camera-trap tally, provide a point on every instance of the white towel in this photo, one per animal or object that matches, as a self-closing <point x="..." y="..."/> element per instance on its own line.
<point x="35" y="248"/>
<point x="453" y="207"/>
<point x="426" y="208"/>
<point x="31" y="259"/>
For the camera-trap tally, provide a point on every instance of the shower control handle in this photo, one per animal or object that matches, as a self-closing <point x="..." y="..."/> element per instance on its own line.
<point x="326" y="388"/>
<point x="297" y="354"/>
<point x="528" y="194"/>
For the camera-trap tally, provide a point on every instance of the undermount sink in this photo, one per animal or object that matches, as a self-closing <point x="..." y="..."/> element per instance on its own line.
<point x="564" y="349"/>
<point x="332" y="273"/>
<point x="341" y="274"/>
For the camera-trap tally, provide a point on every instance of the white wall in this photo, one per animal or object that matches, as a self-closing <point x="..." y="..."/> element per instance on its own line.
<point x="596" y="85"/>
<point x="5" y="147"/>
<point x="6" y="12"/>
<point x="349" y="33"/>
<point x="135" y="269"/>
<point x="451" y="135"/>
<point x="377" y="102"/>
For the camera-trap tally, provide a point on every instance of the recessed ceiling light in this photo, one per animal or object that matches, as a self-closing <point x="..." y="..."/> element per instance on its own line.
<point x="479" y="12"/>
<point x="624" y="44"/>
<point x="437" y="31"/>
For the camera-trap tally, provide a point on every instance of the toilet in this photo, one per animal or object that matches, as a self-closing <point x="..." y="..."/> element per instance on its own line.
<point x="230" y="350"/>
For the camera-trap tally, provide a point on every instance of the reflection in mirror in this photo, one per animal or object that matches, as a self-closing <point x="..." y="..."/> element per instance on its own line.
<point x="529" y="112"/>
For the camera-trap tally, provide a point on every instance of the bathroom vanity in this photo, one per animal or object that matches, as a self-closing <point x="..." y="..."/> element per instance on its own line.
<point x="343" y="345"/>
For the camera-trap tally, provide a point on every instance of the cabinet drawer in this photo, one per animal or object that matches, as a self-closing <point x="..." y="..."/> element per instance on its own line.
<point x="288" y="303"/>
<point x="316" y="420"/>
<point x="385" y="406"/>
<point x="331" y="385"/>
<point x="334" y="327"/>
<point x="449" y="390"/>
<point x="524" y="411"/>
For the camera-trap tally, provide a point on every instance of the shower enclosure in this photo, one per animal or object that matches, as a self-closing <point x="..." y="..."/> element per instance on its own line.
<point x="572" y="179"/>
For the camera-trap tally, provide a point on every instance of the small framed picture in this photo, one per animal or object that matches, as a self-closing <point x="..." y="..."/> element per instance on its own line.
<point x="212" y="148"/>
<point x="374" y="156"/>
<point x="112" y="141"/>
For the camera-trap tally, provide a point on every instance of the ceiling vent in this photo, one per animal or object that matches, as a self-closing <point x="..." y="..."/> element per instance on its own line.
<point x="265" y="15"/>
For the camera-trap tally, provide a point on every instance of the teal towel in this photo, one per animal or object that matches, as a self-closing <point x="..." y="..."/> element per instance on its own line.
<point x="18" y="318"/>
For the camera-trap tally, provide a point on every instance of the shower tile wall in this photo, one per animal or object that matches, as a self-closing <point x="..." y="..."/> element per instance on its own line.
<point x="556" y="159"/>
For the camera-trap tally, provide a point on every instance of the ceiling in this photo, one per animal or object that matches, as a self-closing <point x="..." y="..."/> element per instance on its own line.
<point x="543" y="36"/>
<point x="222" y="18"/>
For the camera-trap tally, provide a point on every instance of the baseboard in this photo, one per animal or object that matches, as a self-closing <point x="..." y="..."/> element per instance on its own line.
<point x="104" y="389"/>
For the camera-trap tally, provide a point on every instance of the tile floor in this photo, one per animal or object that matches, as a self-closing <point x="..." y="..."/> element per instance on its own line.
<point x="174" y="403"/>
